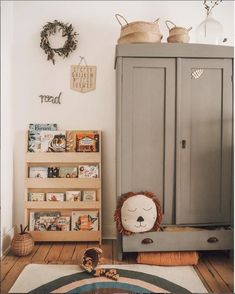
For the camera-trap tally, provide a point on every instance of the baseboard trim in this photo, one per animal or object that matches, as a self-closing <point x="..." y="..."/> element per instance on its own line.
<point x="6" y="241"/>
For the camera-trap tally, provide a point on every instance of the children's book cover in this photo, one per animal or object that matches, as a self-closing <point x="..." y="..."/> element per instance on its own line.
<point x="88" y="171"/>
<point x="85" y="221"/>
<point x="73" y="196"/>
<point x="55" y="196"/>
<point x="36" y="196"/>
<point x="68" y="172"/>
<point x="38" y="172"/>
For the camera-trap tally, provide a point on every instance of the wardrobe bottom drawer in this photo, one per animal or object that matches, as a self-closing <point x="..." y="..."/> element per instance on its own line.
<point x="218" y="239"/>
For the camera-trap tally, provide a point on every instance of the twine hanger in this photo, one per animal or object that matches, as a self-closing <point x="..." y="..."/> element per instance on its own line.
<point x="82" y="59"/>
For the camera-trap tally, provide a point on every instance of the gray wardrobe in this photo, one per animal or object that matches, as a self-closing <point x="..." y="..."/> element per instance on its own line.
<point x="174" y="138"/>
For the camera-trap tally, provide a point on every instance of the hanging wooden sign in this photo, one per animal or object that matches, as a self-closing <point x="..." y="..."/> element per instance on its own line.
<point x="83" y="78"/>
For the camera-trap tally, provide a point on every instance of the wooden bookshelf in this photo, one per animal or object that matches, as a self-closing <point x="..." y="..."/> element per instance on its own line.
<point x="45" y="185"/>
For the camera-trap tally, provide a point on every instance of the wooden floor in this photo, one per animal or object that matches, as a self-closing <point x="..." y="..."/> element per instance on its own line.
<point x="215" y="269"/>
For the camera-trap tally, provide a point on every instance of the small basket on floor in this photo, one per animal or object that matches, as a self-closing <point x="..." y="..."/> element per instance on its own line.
<point x="22" y="244"/>
<point x="89" y="258"/>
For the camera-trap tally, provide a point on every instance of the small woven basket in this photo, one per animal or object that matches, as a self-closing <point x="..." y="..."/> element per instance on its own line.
<point x="22" y="244"/>
<point x="94" y="253"/>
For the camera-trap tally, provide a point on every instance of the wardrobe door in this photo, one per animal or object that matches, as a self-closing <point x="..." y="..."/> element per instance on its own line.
<point x="204" y="141"/>
<point x="146" y="129"/>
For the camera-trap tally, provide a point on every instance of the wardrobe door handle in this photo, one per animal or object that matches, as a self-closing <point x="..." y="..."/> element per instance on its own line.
<point x="213" y="240"/>
<point x="183" y="144"/>
<point x="147" y="241"/>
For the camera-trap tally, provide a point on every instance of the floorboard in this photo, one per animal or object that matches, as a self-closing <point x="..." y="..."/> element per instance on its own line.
<point x="215" y="269"/>
<point x="67" y="252"/>
<point x="54" y="252"/>
<point x="224" y="267"/>
<point x="212" y="278"/>
<point x="107" y="256"/>
<point x="41" y="254"/>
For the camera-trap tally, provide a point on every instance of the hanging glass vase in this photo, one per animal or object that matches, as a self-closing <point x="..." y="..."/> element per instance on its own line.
<point x="210" y="31"/>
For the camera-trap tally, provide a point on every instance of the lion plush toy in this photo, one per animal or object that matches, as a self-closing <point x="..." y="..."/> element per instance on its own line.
<point x="138" y="212"/>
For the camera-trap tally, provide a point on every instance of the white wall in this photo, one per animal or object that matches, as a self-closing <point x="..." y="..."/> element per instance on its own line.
<point x="98" y="31"/>
<point x="7" y="222"/>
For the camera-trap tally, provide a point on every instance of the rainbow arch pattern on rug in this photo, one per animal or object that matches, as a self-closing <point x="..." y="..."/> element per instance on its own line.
<point x="129" y="282"/>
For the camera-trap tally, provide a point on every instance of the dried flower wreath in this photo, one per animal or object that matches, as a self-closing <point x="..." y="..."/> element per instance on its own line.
<point x="51" y="28"/>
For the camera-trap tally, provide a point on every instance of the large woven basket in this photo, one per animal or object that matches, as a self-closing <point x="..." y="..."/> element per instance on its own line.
<point x="22" y="244"/>
<point x="138" y="31"/>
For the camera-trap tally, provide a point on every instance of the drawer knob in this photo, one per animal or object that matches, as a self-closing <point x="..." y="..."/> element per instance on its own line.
<point x="212" y="240"/>
<point x="147" y="241"/>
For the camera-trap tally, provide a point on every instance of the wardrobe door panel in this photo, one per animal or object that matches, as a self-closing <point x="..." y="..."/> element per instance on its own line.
<point x="147" y="129"/>
<point x="204" y="141"/>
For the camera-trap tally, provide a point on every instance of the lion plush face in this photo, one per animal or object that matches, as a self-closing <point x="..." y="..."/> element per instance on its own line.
<point x="137" y="213"/>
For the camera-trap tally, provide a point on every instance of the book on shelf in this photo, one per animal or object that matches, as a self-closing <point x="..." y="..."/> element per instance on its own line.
<point x="38" y="172"/>
<point x="89" y="195"/>
<point x="68" y="172"/>
<point x="53" y="141"/>
<point x="63" y="223"/>
<point x="88" y="171"/>
<point x="82" y="141"/>
<point x="53" y="172"/>
<point x="84" y="221"/>
<point x="36" y="196"/>
<point x="54" y="196"/>
<point x="73" y="196"/>
<point x="42" y="127"/>
<point x="43" y="220"/>
<point x="46" y="141"/>
<point x="87" y="141"/>
<point x="34" y="135"/>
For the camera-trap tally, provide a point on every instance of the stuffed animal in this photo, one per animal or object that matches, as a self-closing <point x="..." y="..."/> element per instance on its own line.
<point x="88" y="260"/>
<point x="138" y="212"/>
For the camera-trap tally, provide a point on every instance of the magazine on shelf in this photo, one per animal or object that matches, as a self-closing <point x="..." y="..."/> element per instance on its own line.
<point x="44" y="220"/>
<point x="38" y="172"/>
<point x="54" y="196"/>
<point x="73" y="196"/>
<point x="68" y="172"/>
<point x="89" y="195"/>
<point x="84" y="221"/>
<point x="36" y="196"/>
<point x="88" y="171"/>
